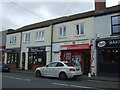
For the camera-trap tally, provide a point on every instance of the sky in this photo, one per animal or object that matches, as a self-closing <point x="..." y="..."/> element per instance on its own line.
<point x="14" y="14"/>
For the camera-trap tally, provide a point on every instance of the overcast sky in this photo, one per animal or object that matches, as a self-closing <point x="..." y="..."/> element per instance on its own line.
<point x="14" y="15"/>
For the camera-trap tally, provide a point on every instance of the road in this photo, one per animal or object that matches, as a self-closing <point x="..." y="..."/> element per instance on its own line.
<point x="28" y="80"/>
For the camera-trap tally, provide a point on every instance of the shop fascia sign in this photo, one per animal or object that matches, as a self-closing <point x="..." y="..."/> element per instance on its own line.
<point x="107" y="43"/>
<point x="74" y="47"/>
<point x="36" y="49"/>
<point x="114" y="42"/>
<point x="13" y="50"/>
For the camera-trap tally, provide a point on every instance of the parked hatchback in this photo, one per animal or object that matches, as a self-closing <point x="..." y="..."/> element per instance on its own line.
<point x="60" y="70"/>
<point x="4" y="67"/>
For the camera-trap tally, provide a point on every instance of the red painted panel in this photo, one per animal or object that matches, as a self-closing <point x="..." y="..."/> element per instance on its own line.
<point x="75" y="47"/>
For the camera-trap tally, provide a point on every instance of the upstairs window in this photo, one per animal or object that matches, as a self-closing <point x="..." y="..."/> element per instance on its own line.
<point x="26" y="37"/>
<point x="116" y="25"/>
<point x="40" y="36"/>
<point x="13" y="39"/>
<point x="79" y="29"/>
<point x="62" y="32"/>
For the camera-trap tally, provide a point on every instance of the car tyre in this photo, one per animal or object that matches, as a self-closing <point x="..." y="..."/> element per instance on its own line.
<point x="38" y="74"/>
<point x="62" y="76"/>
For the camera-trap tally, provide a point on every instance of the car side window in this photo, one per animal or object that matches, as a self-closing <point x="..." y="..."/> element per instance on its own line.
<point x="51" y="65"/>
<point x="59" y="65"/>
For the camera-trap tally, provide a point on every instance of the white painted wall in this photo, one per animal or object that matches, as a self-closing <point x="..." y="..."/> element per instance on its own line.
<point x="103" y="26"/>
<point x="18" y="40"/>
<point x="71" y="31"/>
<point x="34" y="43"/>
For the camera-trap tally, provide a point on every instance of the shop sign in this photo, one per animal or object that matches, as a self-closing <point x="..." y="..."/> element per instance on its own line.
<point x="101" y="44"/>
<point x="74" y="47"/>
<point x="114" y="42"/>
<point x="108" y="43"/>
<point x="16" y="50"/>
<point x="37" y="49"/>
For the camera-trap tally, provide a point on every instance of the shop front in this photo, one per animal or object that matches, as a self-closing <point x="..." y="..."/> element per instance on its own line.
<point x="108" y="56"/>
<point x="13" y="58"/>
<point x="78" y="54"/>
<point x="36" y="57"/>
<point x="2" y="53"/>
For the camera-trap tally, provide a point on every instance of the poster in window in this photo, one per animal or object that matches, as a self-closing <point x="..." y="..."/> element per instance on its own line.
<point x="39" y="59"/>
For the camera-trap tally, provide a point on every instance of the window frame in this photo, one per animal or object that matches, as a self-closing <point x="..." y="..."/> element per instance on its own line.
<point x="13" y="39"/>
<point x="58" y="63"/>
<point x="26" y="37"/>
<point x="62" y="31"/>
<point x="81" y="29"/>
<point x="112" y="25"/>
<point x="52" y="65"/>
<point x="40" y="35"/>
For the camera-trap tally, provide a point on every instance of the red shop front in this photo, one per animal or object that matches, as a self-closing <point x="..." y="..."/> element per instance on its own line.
<point x="78" y="53"/>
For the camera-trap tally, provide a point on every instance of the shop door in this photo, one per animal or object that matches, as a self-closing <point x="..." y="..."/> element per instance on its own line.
<point x="30" y="60"/>
<point x="17" y="60"/>
<point x="86" y="61"/>
<point x="23" y="61"/>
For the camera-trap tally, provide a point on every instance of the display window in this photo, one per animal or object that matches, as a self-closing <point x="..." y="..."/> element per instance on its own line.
<point x="78" y="58"/>
<point x="71" y="57"/>
<point x="109" y="56"/>
<point x="37" y="58"/>
<point x="13" y="58"/>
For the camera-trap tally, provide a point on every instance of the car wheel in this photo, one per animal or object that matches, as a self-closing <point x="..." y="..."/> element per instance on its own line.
<point x="38" y="73"/>
<point x="62" y="76"/>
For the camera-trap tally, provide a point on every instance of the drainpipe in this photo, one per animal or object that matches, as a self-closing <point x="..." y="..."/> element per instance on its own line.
<point x="51" y="41"/>
<point x="20" y="51"/>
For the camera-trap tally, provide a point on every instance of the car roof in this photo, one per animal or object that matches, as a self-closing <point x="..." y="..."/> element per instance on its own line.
<point x="57" y="62"/>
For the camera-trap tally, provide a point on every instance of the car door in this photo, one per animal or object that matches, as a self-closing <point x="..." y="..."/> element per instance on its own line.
<point x="56" y="70"/>
<point x="49" y="70"/>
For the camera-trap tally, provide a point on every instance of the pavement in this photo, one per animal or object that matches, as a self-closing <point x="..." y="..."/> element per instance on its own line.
<point x="84" y="77"/>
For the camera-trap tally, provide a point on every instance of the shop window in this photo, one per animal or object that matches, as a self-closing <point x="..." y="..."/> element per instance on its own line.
<point x="110" y="56"/>
<point x="12" y="58"/>
<point x="62" y="32"/>
<point x="115" y="25"/>
<point x="37" y="58"/>
<point x="71" y="57"/>
<point x="79" y="29"/>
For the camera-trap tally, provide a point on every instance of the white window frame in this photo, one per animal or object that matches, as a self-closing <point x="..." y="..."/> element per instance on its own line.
<point x="13" y="39"/>
<point x="26" y="37"/>
<point x="40" y="36"/>
<point x="62" y="31"/>
<point x="80" y="30"/>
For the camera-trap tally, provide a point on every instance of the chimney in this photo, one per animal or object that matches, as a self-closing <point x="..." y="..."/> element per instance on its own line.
<point x="100" y="4"/>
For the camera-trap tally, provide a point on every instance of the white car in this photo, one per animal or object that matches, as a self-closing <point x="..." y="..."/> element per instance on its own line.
<point x="60" y="70"/>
